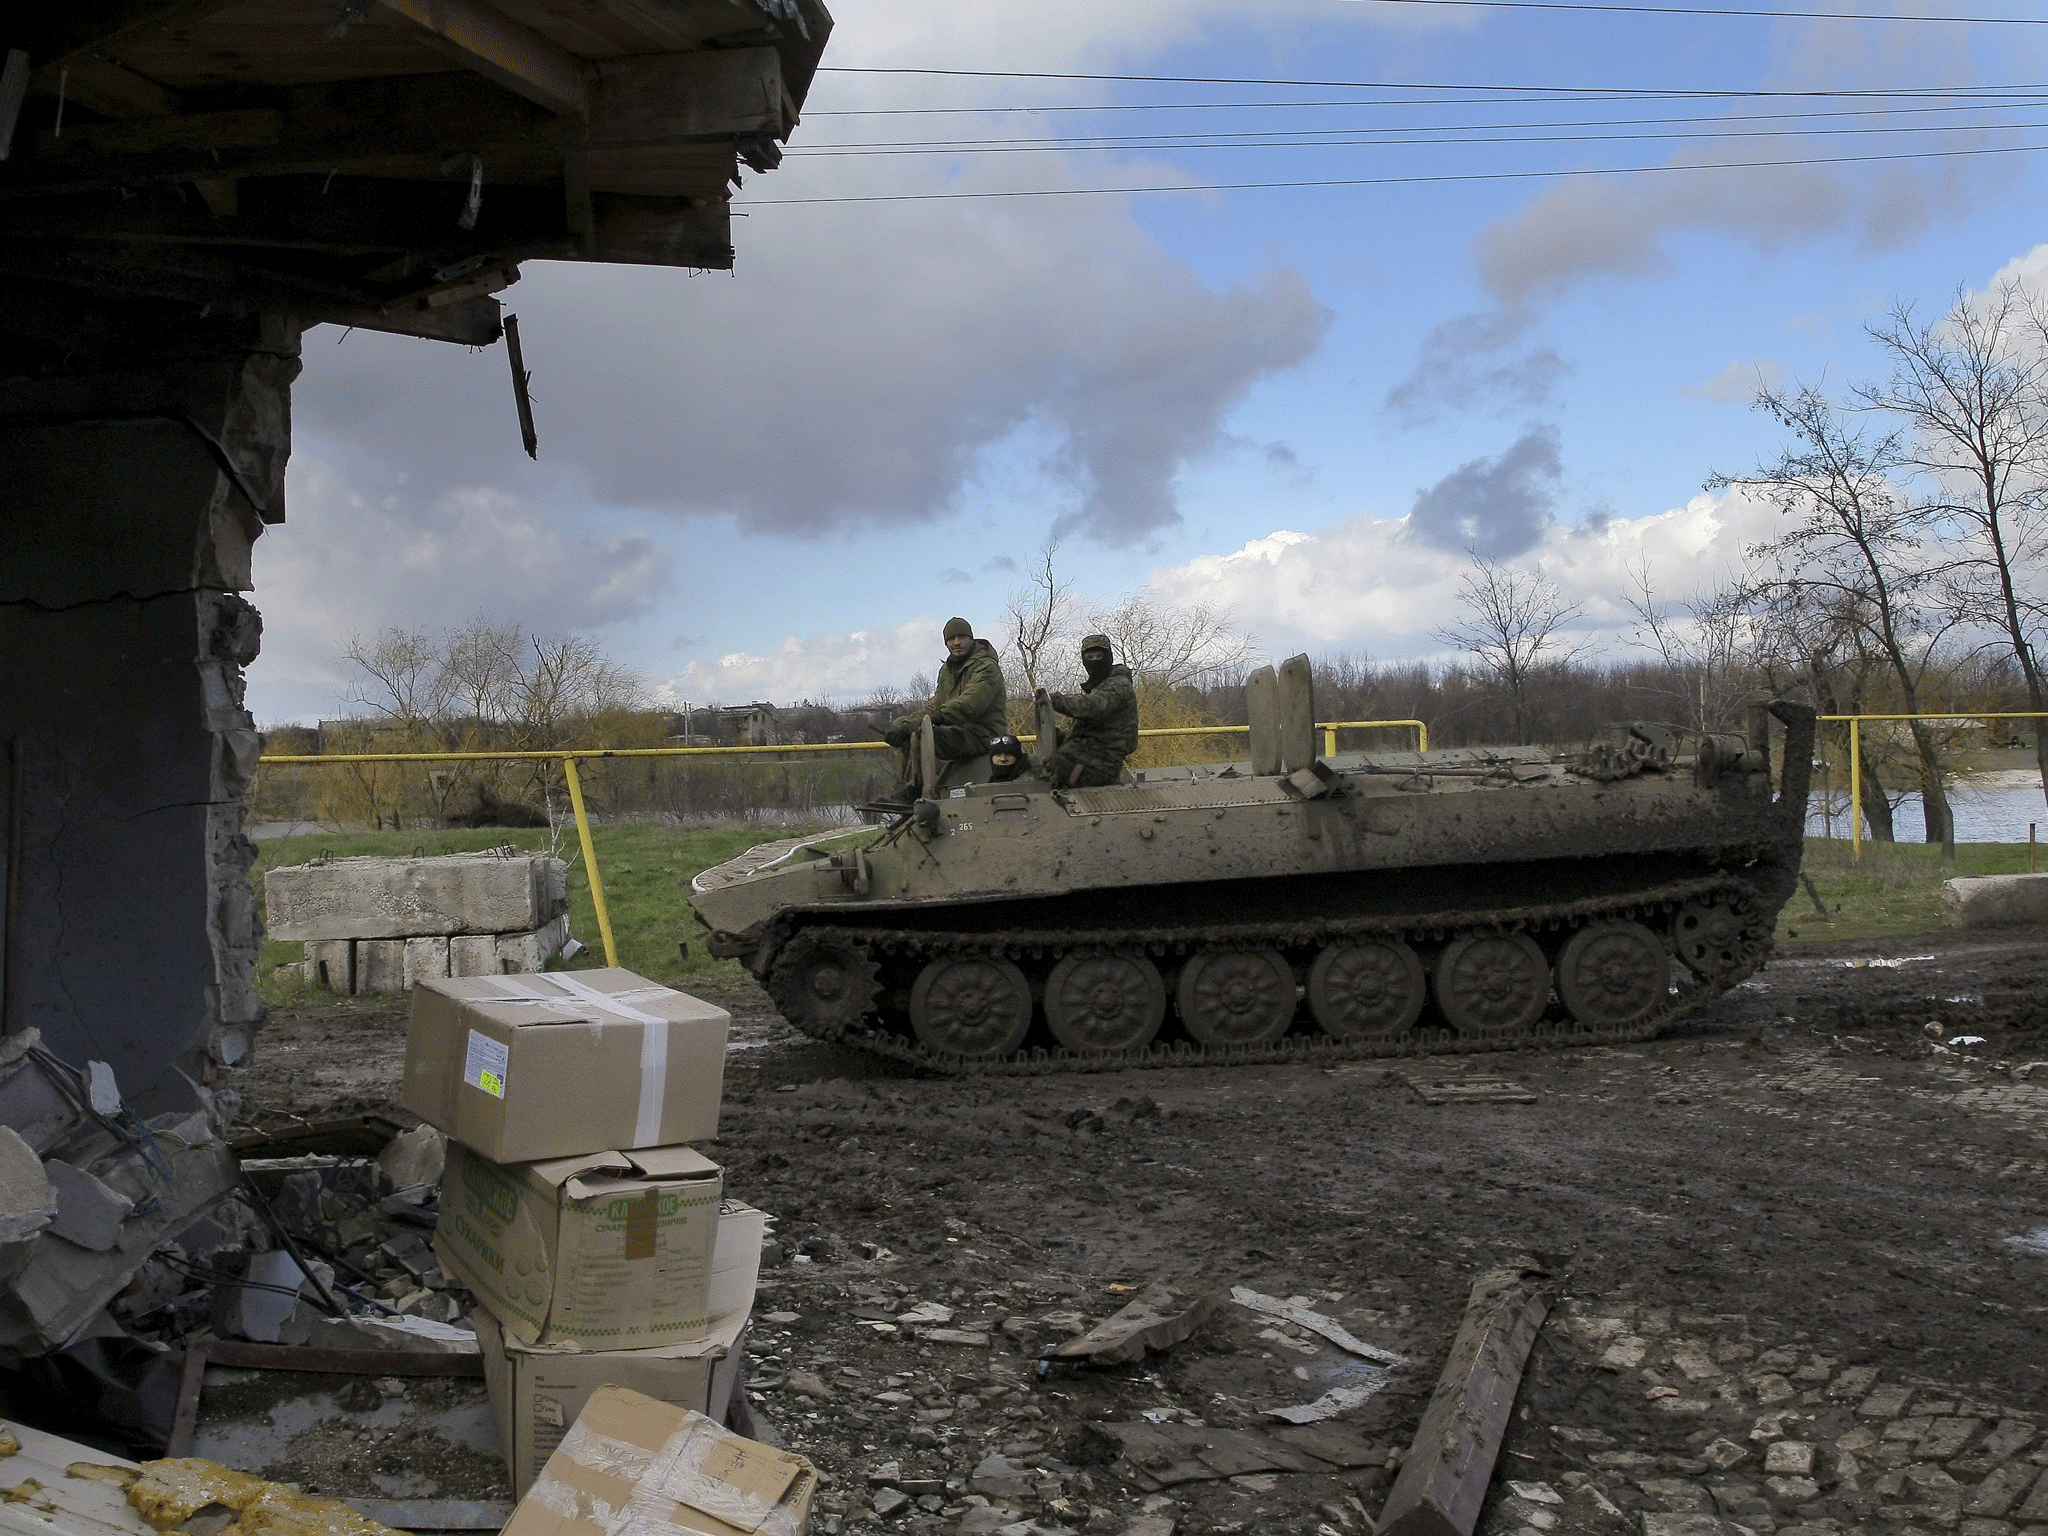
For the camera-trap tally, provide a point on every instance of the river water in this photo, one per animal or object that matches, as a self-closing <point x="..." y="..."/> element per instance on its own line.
<point x="1989" y="808"/>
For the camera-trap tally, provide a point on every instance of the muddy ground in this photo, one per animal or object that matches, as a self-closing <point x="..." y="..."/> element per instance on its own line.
<point x="1800" y="1257"/>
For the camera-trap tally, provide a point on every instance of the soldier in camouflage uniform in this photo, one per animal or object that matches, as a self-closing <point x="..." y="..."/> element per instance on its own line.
<point x="969" y="707"/>
<point x="1105" y="716"/>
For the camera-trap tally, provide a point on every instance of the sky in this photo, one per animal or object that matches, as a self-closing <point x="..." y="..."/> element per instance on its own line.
<point x="1550" y="257"/>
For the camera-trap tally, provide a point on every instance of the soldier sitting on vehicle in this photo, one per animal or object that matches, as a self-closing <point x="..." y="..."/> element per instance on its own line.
<point x="969" y="707"/>
<point x="1105" y="716"/>
<point x="1005" y="759"/>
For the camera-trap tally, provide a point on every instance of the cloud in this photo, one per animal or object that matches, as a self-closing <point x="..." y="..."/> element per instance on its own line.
<point x="1368" y="583"/>
<point x="352" y="560"/>
<point x="865" y="359"/>
<point x="933" y="334"/>
<point x="1455" y="371"/>
<point x="953" y="576"/>
<point x="998" y="563"/>
<point x="841" y="667"/>
<point x="1498" y="506"/>
<point x="1738" y="381"/>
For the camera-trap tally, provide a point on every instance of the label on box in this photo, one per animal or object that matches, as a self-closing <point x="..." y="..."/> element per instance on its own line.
<point x="485" y="1062"/>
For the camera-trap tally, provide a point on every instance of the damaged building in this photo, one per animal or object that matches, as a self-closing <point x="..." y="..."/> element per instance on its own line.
<point x="189" y="186"/>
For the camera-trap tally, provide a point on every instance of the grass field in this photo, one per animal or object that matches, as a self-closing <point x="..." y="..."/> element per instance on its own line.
<point x="1896" y="888"/>
<point x="647" y="869"/>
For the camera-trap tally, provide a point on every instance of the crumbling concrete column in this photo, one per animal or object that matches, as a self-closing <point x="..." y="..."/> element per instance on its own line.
<point x="128" y="508"/>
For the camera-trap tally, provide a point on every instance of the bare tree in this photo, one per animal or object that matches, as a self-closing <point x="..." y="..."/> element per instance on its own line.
<point x="403" y="682"/>
<point x="1511" y="624"/>
<point x="1859" y="540"/>
<point x="1972" y="389"/>
<point x="482" y="660"/>
<point x="1170" y="645"/>
<point x="1708" y="646"/>
<point x="1039" y="618"/>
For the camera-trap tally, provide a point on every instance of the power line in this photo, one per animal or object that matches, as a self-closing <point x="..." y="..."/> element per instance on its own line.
<point x="1398" y="181"/>
<point x="1742" y="12"/>
<point x="1368" y="85"/>
<point x="1328" y="138"/>
<point x="2017" y="95"/>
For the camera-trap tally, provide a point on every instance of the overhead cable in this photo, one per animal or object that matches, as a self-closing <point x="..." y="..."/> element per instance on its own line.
<point x="1395" y="181"/>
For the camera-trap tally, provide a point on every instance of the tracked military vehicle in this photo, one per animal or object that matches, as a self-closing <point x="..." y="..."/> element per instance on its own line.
<point x="1362" y="905"/>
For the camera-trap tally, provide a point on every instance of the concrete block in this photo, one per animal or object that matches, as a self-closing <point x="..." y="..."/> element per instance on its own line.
<point x="380" y="965"/>
<point x="554" y="876"/>
<point x="1995" y="901"/>
<point x="88" y="1213"/>
<point x="532" y="951"/>
<point x="32" y="1105"/>
<point x="331" y="963"/>
<point x="425" y="959"/>
<point x="257" y="1311"/>
<point x="414" y="1157"/>
<point x="371" y="898"/>
<point x="473" y="954"/>
<point x="28" y="1203"/>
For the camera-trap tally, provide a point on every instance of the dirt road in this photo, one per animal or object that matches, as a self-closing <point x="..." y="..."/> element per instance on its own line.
<point x="1801" y="1261"/>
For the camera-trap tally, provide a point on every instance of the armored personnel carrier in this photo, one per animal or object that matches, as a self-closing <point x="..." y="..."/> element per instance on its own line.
<point x="1361" y="905"/>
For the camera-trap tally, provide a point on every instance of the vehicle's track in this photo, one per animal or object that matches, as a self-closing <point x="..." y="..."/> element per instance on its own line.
<point x="1657" y="904"/>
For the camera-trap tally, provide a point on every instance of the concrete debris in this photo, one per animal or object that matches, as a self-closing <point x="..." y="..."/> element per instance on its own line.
<point x="113" y="1189"/>
<point x="1158" y="1317"/>
<point x="1995" y="901"/>
<point x="28" y="1201"/>
<point x="1314" y="1322"/>
<point x="88" y="1212"/>
<point x="1333" y="1402"/>
<point x="415" y="1157"/>
<point x="1163" y="1455"/>
<point x="36" y="1101"/>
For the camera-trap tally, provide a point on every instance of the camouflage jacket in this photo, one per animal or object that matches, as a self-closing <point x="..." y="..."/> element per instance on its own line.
<point x="969" y="692"/>
<point x="1105" y="716"/>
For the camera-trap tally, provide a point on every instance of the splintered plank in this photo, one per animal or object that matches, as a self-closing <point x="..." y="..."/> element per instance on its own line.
<point x="1158" y="1317"/>
<point x="1442" y="1483"/>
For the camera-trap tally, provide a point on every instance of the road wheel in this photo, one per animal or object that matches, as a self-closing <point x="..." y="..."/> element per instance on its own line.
<point x="972" y="1006"/>
<point x="1105" y="1002"/>
<point x="1492" y="984"/>
<point x="1611" y="974"/>
<point x="1370" y="989"/>
<point x="1236" y="996"/>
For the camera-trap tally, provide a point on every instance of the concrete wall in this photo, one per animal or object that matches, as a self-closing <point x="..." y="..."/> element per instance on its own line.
<point x="124" y="540"/>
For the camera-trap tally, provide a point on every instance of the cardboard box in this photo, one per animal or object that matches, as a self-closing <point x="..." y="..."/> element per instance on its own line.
<point x="609" y="1251"/>
<point x="563" y="1063"/>
<point x="632" y="1464"/>
<point x="537" y="1391"/>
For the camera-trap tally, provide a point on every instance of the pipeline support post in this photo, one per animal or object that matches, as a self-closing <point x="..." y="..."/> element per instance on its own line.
<point x="604" y="921"/>
<point x="1856" y="788"/>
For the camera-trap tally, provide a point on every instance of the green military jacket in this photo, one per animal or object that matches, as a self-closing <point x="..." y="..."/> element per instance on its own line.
<point x="970" y="694"/>
<point x="1105" y="716"/>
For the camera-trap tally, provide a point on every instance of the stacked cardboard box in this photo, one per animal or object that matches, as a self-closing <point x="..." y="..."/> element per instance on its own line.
<point x="602" y="1249"/>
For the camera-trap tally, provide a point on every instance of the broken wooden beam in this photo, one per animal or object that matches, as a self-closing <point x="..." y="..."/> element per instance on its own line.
<point x="1158" y="1317"/>
<point x="1443" y="1481"/>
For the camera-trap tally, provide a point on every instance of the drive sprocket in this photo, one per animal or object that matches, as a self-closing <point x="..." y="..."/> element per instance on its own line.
<point x="823" y="985"/>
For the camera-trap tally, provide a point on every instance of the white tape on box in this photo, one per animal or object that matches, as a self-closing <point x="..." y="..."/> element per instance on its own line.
<point x="575" y="997"/>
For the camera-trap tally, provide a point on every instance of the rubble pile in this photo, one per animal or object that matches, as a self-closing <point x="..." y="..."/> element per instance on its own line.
<point x="89" y="1190"/>
<point x="383" y="924"/>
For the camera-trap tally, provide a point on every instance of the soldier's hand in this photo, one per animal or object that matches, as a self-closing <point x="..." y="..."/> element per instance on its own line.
<point x="897" y="736"/>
